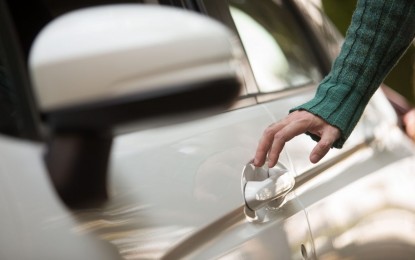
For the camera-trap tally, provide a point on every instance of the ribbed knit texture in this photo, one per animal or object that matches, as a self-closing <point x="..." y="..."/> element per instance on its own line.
<point x="380" y="32"/>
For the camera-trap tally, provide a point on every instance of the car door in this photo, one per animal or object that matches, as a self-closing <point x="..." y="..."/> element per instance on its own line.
<point x="356" y="199"/>
<point x="375" y="148"/>
<point x="176" y="191"/>
<point x="360" y="203"/>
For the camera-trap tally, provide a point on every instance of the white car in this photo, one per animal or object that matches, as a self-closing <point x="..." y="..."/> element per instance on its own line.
<point x="104" y="166"/>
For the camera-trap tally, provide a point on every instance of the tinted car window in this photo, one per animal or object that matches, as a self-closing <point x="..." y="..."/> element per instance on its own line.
<point x="276" y="48"/>
<point x="17" y="117"/>
<point x="332" y="39"/>
<point x="7" y="113"/>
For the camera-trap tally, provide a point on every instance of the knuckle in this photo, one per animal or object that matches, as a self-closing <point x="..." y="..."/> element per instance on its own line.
<point x="324" y="145"/>
<point x="279" y="136"/>
<point x="268" y="132"/>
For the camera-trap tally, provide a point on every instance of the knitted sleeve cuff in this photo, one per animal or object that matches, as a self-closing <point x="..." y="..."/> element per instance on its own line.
<point x="338" y="106"/>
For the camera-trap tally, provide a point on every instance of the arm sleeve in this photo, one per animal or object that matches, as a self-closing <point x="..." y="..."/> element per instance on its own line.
<point x="380" y="32"/>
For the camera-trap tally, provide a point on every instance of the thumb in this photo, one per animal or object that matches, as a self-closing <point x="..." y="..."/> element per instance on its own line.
<point x="330" y="135"/>
<point x="319" y="151"/>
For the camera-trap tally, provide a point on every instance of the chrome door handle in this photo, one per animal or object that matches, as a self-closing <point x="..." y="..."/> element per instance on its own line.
<point x="265" y="188"/>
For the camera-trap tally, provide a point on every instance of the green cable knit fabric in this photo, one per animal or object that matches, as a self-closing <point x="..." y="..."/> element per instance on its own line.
<point x="380" y="32"/>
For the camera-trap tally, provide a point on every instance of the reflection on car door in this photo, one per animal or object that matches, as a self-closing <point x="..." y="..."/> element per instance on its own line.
<point x="357" y="198"/>
<point x="176" y="191"/>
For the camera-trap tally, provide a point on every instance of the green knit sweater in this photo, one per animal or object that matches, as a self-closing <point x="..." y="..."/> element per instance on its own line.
<point x="380" y="32"/>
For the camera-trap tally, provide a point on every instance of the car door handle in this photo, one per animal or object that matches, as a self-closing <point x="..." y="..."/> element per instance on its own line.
<point x="265" y="187"/>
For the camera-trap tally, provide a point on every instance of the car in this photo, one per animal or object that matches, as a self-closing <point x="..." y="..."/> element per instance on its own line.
<point x="186" y="189"/>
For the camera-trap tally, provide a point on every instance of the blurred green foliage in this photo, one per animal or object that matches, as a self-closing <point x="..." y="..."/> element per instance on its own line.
<point x="402" y="77"/>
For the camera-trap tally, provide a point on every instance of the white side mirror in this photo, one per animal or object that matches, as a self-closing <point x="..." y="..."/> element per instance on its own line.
<point x="101" y="67"/>
<point x="108" y="56"/>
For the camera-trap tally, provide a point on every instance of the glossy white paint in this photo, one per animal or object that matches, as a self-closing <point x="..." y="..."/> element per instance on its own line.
<point x="178" y="187"/>
<point x="34" y="223"/>
<point x="364" y="207"/>
<point x="169" y="183"/>
<point x="176" y="190"/>
<point x="175" y="193"/>
<point x="112" y="51"/>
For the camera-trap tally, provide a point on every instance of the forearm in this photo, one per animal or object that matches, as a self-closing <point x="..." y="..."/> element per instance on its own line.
<point x="379" y="34"/>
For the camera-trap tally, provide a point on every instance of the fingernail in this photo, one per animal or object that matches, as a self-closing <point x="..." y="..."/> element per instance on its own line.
<point x="255" y="162"/>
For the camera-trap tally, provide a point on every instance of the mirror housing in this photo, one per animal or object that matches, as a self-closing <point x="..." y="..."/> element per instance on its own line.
<point x="94" y="61"/>
<point x="97" y="68"/>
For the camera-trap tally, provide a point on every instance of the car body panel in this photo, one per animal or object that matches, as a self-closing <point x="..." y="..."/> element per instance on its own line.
<point x="34" y="223"/>
<point x="287" y="236"/>
<point x="363" y="208"/>
<point x="177" y="180"/>
<point x="175" y="191"/>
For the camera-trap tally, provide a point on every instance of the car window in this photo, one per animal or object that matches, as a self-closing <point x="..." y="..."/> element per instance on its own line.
<point x="7" y="123"/>
<point x="275" y="45"/>
<point x="18" y="116"/>
<point x="323" y="25"/>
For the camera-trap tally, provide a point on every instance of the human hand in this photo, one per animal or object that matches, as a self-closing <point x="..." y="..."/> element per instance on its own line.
<point x="409" y="122"/>
<point x="296" y="123"/>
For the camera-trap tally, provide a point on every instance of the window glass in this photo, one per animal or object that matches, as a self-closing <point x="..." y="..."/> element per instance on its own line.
<point x="276" y="48"/>
<point x="18" y="114"/>
<point x="7" y="112"/>
<point x="322" y="24"/>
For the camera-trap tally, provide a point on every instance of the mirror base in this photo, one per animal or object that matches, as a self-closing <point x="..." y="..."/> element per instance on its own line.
<point x="78" y="165"/>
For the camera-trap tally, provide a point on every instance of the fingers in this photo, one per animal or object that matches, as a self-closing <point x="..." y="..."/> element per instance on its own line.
<point x="265" y="143"/>
<point x="330" y="135"/>
<point x="320" y="150"/>
<point x="275" y="136"/>
<point x="287" y="133"/>
<point x="409" y="122"/>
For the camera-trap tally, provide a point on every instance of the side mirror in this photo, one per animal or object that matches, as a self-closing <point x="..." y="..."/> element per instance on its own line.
<point x="100" y="68"/>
